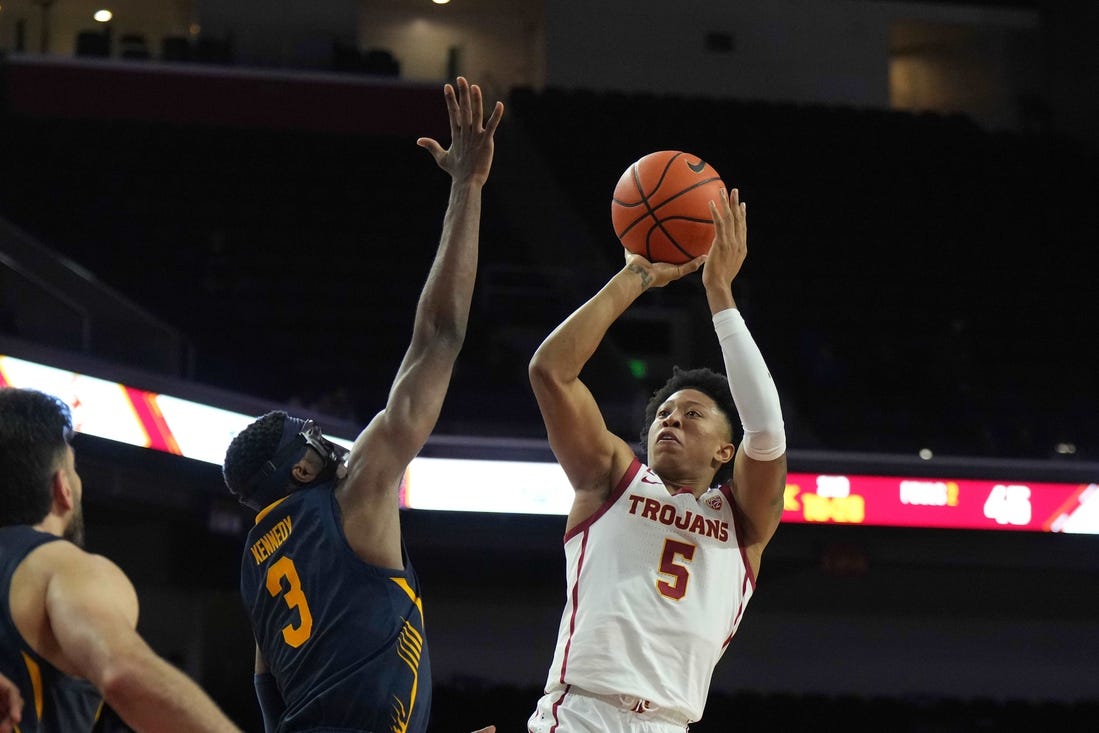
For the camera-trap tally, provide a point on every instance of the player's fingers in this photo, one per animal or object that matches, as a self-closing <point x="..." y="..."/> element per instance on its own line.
<point x="720" y="222"/>
<point x="12" y="710"/>
<point x="728" y="204"/>
<point x="451" y="107"/>
<point x="465" y="107"/>
<point x="690" y="266"/>
<point x="494" y="119"/>
<point x="739" y="213"/>
<point x="736" y="206"/>
<point x="433" y="147"/>
<point x="477" y="112"/>
<point x="738" y="210"/>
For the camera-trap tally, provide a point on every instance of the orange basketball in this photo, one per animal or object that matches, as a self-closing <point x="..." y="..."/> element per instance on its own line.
<point x="661" y="206"/>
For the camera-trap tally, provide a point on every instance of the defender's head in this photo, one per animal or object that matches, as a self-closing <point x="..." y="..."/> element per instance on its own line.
<point x="38" y="478"/>
<point x="278" y="454"/>
<point x="690" y="422"/>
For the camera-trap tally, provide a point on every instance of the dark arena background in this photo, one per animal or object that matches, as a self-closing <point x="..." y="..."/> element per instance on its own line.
<point x="223" y="202"/>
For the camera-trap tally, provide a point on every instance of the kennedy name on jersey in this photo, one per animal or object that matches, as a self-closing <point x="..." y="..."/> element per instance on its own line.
<point x="670" y="515"/>
<point x="271" y="540"/>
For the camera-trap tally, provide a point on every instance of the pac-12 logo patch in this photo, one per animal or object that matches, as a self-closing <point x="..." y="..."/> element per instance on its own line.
<point x="715" y="502"/>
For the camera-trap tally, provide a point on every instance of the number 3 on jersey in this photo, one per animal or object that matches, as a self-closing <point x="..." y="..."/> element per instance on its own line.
<point x="284" y="567"/>
<point x="677" y="588"/>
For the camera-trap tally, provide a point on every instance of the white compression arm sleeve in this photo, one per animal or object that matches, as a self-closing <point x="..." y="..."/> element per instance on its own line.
<point x="753" y="389"/>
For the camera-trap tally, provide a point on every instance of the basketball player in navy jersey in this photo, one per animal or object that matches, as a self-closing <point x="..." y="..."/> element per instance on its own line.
<point x="661" y="558"/>
<point x="67" y="617"/>
<point x="334" y="602"/>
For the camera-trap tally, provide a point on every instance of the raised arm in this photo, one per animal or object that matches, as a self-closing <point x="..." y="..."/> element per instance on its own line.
<point x="592" y="457"/>
<point x="398" y="432"/>
<point x="759" y="469"/>
<point x="92" y="610"/>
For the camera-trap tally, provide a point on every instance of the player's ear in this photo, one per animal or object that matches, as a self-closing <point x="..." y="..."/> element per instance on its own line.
<point x="302" y="472"/>
<point x="61" y="491"/>
<point x="726" y="452"/>
<point x="308" y="468"/>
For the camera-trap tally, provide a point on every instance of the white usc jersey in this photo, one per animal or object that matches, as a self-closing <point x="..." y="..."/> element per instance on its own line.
<point x="656" y="587"/>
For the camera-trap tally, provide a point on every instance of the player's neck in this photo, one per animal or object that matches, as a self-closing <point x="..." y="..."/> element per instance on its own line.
<point x="52" y="524"/>
<point x="697" y="487"/>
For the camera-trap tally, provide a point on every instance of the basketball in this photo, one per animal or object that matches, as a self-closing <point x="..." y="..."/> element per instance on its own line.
<point x="661" y="206"/>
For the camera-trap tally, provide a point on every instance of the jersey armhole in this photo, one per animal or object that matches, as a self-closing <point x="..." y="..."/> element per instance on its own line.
<point x="738" y="532"/>
<point x="615" y="495"/>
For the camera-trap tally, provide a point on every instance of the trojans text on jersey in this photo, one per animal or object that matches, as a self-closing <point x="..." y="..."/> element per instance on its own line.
<point x="672" y="516"/>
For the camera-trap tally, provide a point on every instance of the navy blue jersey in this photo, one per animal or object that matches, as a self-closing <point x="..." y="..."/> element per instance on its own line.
<point x="52" y="700"/>
<point x="343" y="639"/>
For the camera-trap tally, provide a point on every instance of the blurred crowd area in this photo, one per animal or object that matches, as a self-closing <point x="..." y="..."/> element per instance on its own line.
<point x="913" y="280"/>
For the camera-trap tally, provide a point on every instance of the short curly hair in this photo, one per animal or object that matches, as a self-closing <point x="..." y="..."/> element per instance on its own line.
<point x="35" y="429"/>
<point x="251" y="448"/>
<point x="712" y="384"/>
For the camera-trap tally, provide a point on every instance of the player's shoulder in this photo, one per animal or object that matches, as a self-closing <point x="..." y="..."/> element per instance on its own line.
<point x="68" y="556"/>
<point x="304" y="499"/>
<point x="303" y="518"/>
<point x="67" y="561"/>
<point x="56" y="550"/>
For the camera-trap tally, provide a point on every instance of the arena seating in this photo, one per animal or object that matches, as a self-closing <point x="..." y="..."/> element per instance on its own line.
<point x="914" y="280"/>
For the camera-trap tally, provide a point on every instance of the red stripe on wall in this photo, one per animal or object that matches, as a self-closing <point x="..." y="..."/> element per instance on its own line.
<point x="147" y="411"/>
<point x="1065" y="509"/>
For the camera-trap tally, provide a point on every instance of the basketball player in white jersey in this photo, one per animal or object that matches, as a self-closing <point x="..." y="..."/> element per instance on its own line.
<point x="661" y="558"/>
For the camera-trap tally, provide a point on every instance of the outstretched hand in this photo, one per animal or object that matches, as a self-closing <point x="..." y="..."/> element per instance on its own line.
<point x="659" y="274"/>
<point x="469" y="157"/>
<point x="730" y="245"/>
<point x="490" y="729"/>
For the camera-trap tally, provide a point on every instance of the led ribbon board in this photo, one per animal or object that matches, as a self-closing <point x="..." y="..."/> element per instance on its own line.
<point x="892" y="501"/>
<point x="161" y="422"/>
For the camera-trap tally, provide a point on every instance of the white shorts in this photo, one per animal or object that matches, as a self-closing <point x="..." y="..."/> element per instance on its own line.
<point x="573" y="710"/>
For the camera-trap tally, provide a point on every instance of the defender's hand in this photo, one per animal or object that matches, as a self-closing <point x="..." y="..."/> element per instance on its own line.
<point x="469" y="157"/>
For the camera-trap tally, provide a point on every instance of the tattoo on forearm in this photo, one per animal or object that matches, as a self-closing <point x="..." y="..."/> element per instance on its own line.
<point x="778" y="503"/>
<point x="646" y="278"/>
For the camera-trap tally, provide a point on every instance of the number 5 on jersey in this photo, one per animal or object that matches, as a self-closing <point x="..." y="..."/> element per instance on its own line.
<point x="673" y="550"/>
<point x="294" y="597"/>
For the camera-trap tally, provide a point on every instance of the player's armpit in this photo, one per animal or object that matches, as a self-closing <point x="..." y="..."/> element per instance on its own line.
<point x="758" y="487"/>
<point x="576" y="430"/>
